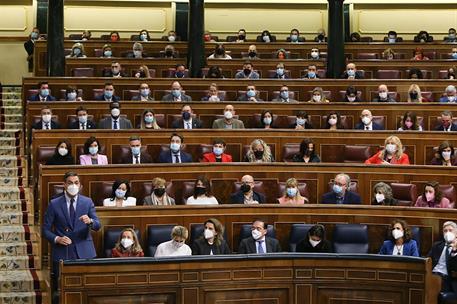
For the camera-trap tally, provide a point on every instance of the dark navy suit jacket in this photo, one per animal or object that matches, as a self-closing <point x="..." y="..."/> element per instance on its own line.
<point x="165" y="157"/>
<point x="57" y="223"/>
<point x="349" y="198"/>
<point x="375" y="126"/>
<point x="36" y="97"/>
<point x="238" y="197"/>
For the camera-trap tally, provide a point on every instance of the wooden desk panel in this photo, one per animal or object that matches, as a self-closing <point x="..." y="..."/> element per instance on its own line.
<point x="284" y="279"/>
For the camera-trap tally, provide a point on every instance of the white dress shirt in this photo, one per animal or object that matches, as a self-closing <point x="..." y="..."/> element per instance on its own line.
<point x="130" y="201"/>
<point x="202" y="201"/>
<point x="167" y="249"/>
<point x="441" y="267"/>
<point x="263" y="244"/>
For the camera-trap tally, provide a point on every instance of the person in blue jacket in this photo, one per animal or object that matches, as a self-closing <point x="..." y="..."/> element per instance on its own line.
<point x="400" y="241"/>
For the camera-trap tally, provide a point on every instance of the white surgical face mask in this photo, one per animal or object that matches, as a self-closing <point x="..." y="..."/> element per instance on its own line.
<point x="449" y="237"/>
<point x="391" y="148"/>
<point x="120" y="193"/>
<point x="228" y="115"/>
<point x="63" y="151"/>
<point x="115" y="112"/>
<point x="73" y="189"/>
<point x="208" y="234"/>
<point x="313" y="242"/>
<point x="177" y="244"/>
<point x="366" y="120"/>
<point x="379" y="197"/>
<point x="332" y="121"/>
<point x="71" y="96"/>
<point x="383" y="95"/>
<point x="256" y="234"/>
<point x="126" y="243"/>
<point x="397" y="234"/>
<point x="46" y="118"/>
<point x="446" y="155"/>
<point x="351" y="99"/>
<point x="317" y="98"/>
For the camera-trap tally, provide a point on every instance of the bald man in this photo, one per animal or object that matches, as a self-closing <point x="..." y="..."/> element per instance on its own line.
<point x="228" y="122"/>
<point x="351" y="72"/>
<point x="383" y="95"/>
<point x="246" y="195"/>
<point x="366" y="122"/>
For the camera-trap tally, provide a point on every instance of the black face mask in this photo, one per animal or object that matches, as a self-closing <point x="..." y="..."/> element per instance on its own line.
<point x="245" y="188"/>
<point x="241" y="37"/>
<point x="220" y="51"/>
<point x="168" y="53"/>
<point x="258" y="154"/>
<point x="199" y="191"/>
<point x="247" y="71"/>
<point x="451" y="76"/>
<point x="185" y="115"/>
<point x="320" y="37"/>
<point x="159" y="192"/>
<point x="252" y="54"/>
<point x="413" y="95"/>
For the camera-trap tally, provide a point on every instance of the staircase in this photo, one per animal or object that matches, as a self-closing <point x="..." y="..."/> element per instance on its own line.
<point x="21" y="278"/>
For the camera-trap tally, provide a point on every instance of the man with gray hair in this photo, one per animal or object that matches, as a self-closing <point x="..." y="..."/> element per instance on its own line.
<point x="446" y="124"/>
<point x="340" y="193"/>
<point x="449" y="95"/>
<point x="444" y="256"/>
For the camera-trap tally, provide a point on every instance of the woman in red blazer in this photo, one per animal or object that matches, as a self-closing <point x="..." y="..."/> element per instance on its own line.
<point x="218" y="154"/>
<point x="392" y="154"/>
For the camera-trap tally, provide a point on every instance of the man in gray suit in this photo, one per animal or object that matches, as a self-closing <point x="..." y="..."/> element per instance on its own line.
<point x="176" y="93"/>
<point x="228" y="122"/>
<point x="115" y="121"/>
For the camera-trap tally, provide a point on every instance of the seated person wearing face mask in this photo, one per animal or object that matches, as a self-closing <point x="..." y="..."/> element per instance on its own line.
<point x="213" y="94"/>
<point x="351" y="95"/>
<point x="228" y="122"/>
<point x="383" y="95"/>
<point x="135" y="155"/>
<point x="246" y="195"/>
<point x="176" y="246"/>
<point x="77" y="51"/>
<point x="307" y="153"/>
<point x="247" y="72"/>
<point x="302" y="122"/>
<point x="432" y="197"/>
<point x="291" y="194"/>
<point x="258" y="242"/>
<point x="445" y="155"/>
<point x="115" y="121"/>
<point x="340" y="193"/>
<point x="62" y="154"/>
<point x="266" y="120"/>
<point x="351" y="72"/>
<point x="280" y="72"/>
<point x="451" y="37"/>
<point x="314" y="54"/>
<point x="450" y="95"/>
<point x="137" y="51"/>
<point x="392" y="37"/>
<point x="202" y="193"/>
<point x="127" y="245"/>
<point x="259" y="152"/>
<point x="172" y="37"/>
<point x="212" y="241"/>
<point x="187" y="121"/>
<point x="175" y="154"/>
<point x="108" y="94"/>
<point x="180" y="71"/>
<point x="295" y="37"/>
<point x="250" y="95"/>
<point x="91" y="154"/>
<point x="400" y="240"/>
<point x="392" y="154"/>
<point x="158" y="196"/>
<point x="46" y="122"/>
<point x="311" y="73"/>
<point x="176" y="93"/>
<point x="318" y="95"/>
<point x="43" y="93"/>
<point x="320" y="36"/>
<point x="169" y="52"/>
<point x="284" y="95"/>
<point x="82" y="123"/>
<point x="218" y="155"/>
<point x="71" y="94"/>
<point x="219" y="53"/>
<point x="383" y="195"/>
<point x="315" y="241"/>
<point x="120" y="195"/>
<point x="115" y="71"/>
<point x="366" y="122"/>
<point x="145" y="93"/>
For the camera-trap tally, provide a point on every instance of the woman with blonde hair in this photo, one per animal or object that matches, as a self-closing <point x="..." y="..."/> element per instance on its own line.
<point x="292" y="195"/>
<point x="391" y="154"/>
<point x="158" y="196"/>
<point x="127" y="245"/>
<point x="388" y="54"/>
<point x="259" y="152"/>
<point x="318" y="95"/>
<point x="148" y="120"/>
<point x="414" y="93"/>
<point x="77" y="51"/>
<point x="143" y="72"/>
<point x="176" y="246"/>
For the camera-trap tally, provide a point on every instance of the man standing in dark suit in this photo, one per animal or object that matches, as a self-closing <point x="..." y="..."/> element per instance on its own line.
<point x="83" y="123"/>
<point x="341" y="193"/>
<point x="135" y="155"/>
<point x="175" y="155"/>
<point x="446" y="122"/>
<point x="108" y="94"/>
<point x="29" y="46"/>
<point x="247" y="195"/>
<point x="367" y="123"/>
<point x="444" y="257"/>
<point x="43" y="93"/>
<point x="258" y="242"/>
<point x="187" y="121"/>
<point x="115" y="121"/>
<point x="46" y="122"/>
<point x="67" y="226"/>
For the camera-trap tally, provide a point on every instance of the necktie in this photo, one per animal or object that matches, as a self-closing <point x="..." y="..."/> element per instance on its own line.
<point x="137" y="161"/>
<point x="72" y="211"/>
<point x="46" y="125"/>
<point x="260" y="247"/>
<point x="367" y="128"/>
<point x="176" y="158"/>
<point x="115" y="124"/>
<point x="188" y="125"/>
<point x="83" y="126"/>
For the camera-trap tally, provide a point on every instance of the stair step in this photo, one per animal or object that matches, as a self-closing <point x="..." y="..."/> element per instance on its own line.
<point x="9" y="161"/>
<point x="10" y="193"/>
<point x="10" y="206"/>
<point x="21" y="297"/>
<point x="19" y="281"/>
<point x="19" y="233"/>
<point x="8" y="263"/>
<point x="16" y="218"/>
<point x="9" y="133"/>
<point x="18" y="249"/>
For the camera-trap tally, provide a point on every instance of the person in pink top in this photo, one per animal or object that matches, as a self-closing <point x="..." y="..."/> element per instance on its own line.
<point x="292" y="195"/>
<point x="432" y="197"/>
<point x="91" y="154"/>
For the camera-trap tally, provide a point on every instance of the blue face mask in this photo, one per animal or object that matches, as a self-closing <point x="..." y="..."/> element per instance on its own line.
<point x="175" y="147"/>
<point x="93" y="150"/>
<point x="294" y="38"/>
<point x="34" y="35"/>
<point x="108" y="53"/>
<point x="149" y="119"/>
<point x="136" y="150"/>
<point x="145" y="92"/>
<point x="337" y="189"/>
<point x="44" y="92"/>
<point x="250" y="93"/>
<point x="280" y="71"/>
<point x="77" y="51"/>
<point x="351" y="73"/>
<point x="311" y="74"/>
<point x="284" y="94"/>
<point x="176" y="93"/>
<point x="454" y="55"/>
<point x="108" y="94"/>
<point x="144" y="37"/>
<point x="218" y="151"/>
<point x="291" y="192"/>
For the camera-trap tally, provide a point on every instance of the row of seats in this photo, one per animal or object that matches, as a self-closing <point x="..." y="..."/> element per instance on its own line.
<point x="406" y="194"/>
<point x="347" y="238"/>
